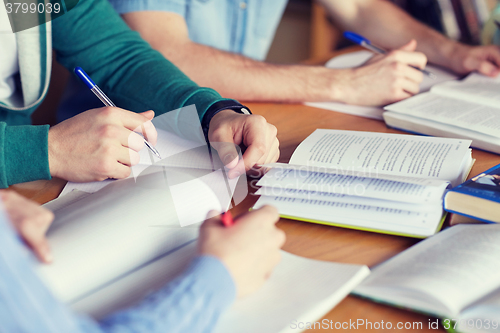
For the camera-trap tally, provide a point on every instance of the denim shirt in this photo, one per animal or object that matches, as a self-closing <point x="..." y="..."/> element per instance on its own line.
<point x="245" y="27"/>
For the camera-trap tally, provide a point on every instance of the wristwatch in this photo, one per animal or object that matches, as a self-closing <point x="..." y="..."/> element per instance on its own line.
<point x="218" y="107"/>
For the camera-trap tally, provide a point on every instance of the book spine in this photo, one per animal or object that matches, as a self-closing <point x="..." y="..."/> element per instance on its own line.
<point x="449" y="19"/>
<point x="465" y="35"/>
<point x="482" y="10"/>
<point x="472" y="21"/>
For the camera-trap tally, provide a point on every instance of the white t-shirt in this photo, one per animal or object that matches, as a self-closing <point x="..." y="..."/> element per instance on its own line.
<point x="9" y="65"/>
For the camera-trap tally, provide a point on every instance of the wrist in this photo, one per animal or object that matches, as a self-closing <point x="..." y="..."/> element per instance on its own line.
<point x="216" y="108"/>
<point x="340" y="86"/>
<point x="52" y="155"/>
<point x="323" y="84"/>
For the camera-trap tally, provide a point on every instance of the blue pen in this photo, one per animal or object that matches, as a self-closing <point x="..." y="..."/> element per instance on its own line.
<point x="360" y="40"/>
<point x="105" y="99"/>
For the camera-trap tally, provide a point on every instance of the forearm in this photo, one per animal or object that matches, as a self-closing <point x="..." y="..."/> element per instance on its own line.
<point x="232" y="75"/>
<point x="389" y="26"/>
<point x="238" y="77"/>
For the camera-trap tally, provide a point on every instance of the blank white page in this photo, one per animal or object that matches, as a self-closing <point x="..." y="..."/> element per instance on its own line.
<point x="299" y="289"/>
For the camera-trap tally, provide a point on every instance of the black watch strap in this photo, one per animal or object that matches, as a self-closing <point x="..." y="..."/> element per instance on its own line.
<point x="218" y="107"/>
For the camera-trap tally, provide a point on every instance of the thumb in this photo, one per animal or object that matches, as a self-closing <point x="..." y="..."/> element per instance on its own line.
<point x="487" y="68"/>
<point x="148" y="114"/>
<point x="223" y="143"/>
<point x="410" y="46"/>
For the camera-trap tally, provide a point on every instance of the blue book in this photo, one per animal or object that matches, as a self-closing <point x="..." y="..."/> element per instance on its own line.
<point x="478" y="198"/>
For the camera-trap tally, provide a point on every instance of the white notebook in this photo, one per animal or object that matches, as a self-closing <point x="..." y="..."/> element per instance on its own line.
<point x="115" y="246"/>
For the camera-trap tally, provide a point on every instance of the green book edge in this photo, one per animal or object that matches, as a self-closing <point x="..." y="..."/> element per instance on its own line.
<point x="440" y="225"/>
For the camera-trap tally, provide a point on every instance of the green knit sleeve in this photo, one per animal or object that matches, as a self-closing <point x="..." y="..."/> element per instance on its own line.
<point x="23" y="154"/>
<point x="134" y="76"/>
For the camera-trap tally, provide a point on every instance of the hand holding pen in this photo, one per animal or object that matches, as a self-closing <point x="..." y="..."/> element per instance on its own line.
<point x="364" y="42"/>
<point x="105" y="99"/>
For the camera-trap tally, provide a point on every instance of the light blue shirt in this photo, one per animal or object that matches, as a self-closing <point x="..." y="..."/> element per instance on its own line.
<point x="191" y="303"/>
<point x="245" y="27"/>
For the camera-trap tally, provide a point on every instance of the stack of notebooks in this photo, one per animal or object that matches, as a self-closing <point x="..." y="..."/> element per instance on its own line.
<point x="380" y="182"/>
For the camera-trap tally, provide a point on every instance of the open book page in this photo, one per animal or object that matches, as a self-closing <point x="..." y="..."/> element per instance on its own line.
<point x="283" y="299"/>
<point x="487" y="310"/>
<point x="359" y="216"/>
<point x="358" y="58"/>
<point x="393" y="154"/>
<point x="111" y="232"/>
<point x="349" y="199"/>
<point x="475" y="88"/>
<point x="443" y="274"/>
<point x="452" y="111"/>
<point x="434" y="128"/>
<point x="280" y="179"/>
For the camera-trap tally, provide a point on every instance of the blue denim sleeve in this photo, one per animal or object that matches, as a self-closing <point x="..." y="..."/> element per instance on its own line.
<point x="190" y="303"/>
<point x="127" y="6"/>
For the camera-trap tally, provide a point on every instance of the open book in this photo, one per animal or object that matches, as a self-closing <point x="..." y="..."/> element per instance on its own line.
<point x="356" y="59"/>
<point x="113" y="247"/>
<point x="468" y="109"/>
<point x="389" y="183"/>
<point x="453" y="275"/>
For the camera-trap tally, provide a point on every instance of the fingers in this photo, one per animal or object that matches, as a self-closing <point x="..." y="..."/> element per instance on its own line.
<point x="137" y="122"/>
<point x="416" y="59"/>
<point x="31" y="221"/>
<point x="413" y="74"/>
<point x="410" y="46"/>
<point x="407" y="55"/>
<point x="487" y="68"/>
<point x="33" y="232"/>
<point x="259" y="139"/>
<point x="128" y="157"/>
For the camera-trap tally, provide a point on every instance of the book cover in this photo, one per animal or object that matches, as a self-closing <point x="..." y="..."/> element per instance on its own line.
<point x="485" y="185"/>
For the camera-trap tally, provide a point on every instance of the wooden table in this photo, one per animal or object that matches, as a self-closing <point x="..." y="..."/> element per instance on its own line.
<point x="295" y="123"/>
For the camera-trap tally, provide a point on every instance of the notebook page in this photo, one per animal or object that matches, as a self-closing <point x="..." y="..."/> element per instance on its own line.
<point x="456" y="267"/>
<point x="452" y="111"/>
<point x="168" y="145"/>
<point x="356" y="59"/>
<point x="126" y="224"/>
<point x="415" y="223"/>
<point x="284" y="298"/>
<point x="383" y="153"/>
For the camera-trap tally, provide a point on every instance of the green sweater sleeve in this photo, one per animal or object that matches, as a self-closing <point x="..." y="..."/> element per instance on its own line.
<point x="134" y="76"/>
<point x="24" y="156"/>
